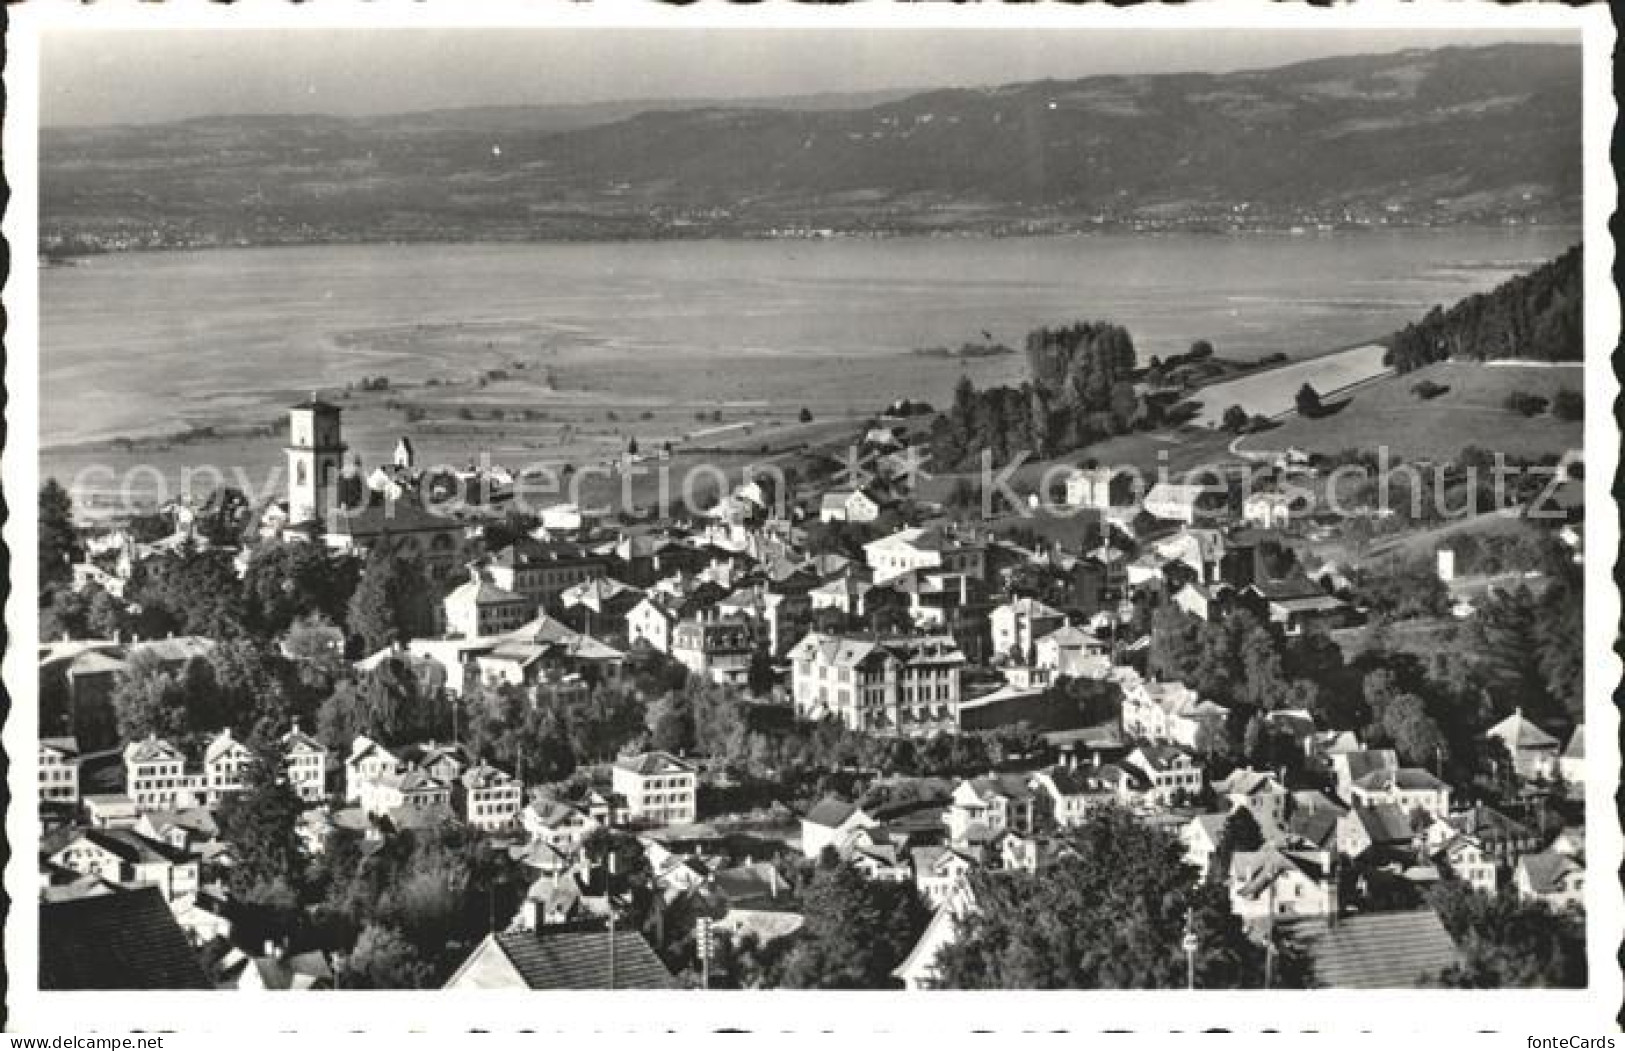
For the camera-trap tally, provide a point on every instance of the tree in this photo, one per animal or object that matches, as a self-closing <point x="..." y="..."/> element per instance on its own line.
<point x="258" y="825"/>
<point x="857" y="931"/>
<point x="1236" y="419"/>
<point x="1569" y="405"/>
<point x="151" y="700"/>
<point x="192" y="590"/>
<point x="58" y="540"/>
<point x="382" y="959"/>
<point x="806" y="415"/>
<point x="391" y="604"/>
<point x="65" y="614"/>
<point x="1110" y="913"/>
<point x="671" y="724"/>
<point x="288" y="581"/>
<point x="1509" y="943"/>
<point x="1240" y="833"/>
<point x="1308" y="402"/>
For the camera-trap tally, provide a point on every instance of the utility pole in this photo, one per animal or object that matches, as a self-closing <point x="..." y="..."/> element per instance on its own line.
<point x="1189" y="943"/>
<point x="705" y="952"/>
<point x="609" y="899"/>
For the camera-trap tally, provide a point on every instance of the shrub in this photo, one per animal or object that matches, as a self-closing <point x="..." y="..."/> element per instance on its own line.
<point x="1526" y="404"/>
<point x="1569" y="405"/>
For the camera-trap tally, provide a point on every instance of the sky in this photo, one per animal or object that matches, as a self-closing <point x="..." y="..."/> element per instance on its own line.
<point x="144" y="76"/>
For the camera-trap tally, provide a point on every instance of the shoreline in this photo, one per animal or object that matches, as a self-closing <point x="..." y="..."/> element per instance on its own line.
<point x="1194" y="229"/>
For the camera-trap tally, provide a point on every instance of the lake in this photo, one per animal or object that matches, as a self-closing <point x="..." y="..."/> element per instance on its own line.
<point x="150" y="343"/>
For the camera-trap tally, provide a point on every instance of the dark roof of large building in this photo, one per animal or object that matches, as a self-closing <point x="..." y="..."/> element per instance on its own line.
<point x="830" y="812"/>
<point x="580" y="960"/>
<point x="1378" y="950"/>
<point x="116" y="941"/>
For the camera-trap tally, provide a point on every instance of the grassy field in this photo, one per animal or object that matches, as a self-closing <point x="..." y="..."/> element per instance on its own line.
<point x="1386" y="413"/>
<point x="1272" y="392"/>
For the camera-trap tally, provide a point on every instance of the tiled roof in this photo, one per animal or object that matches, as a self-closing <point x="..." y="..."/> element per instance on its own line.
<point x="1516" y="733"/>
<point x="1577" y="744"/>
<point x="1378" y="950"/>
<point x="580" y="960"/>
<point x="1545" y="872"/>
<point x="115" y="941"/>
<point x="653" y="763"/>
<point x="830" y="812"/>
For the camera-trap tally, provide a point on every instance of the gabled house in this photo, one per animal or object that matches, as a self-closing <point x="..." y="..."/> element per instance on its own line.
<point x="1170" y="712"/>
<point x="131" y="859"/>
<point x="982" y="807"/>
<point x="1260" y="792"/>
<point x="489" y="798"/>
<point x="829" y="823"/>
<point x="1171" y="771"/>
<point x="562" y="958"/>
<point x="1556" y="880"/>
<point x="1019" y="624"/>
<point x="1534" y="752"/>
<point x="1202" y="836"/>
<point x="659" y="788"/>
<point x="59" y="770"/>
<point x="1465" y="859"/>
<point x="1410" y="789"/>
<point x="940" y="871"/>
<point x="369" y="761"/>
<point x="1280" y="883"/>
<point x="557" y="825"/>
<point x="1074" y="652"/>
<point x="307" y="764"/>
<point x="1067" y="797"/>
<point x="1383" y="829"/>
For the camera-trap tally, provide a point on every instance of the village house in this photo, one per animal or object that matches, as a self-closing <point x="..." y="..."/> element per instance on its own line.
<point x="940" y="871"/>
<point x="1503" y="838"/>
<point x="1260" y="792"/>
<point x="1279" y="883"/>
<point x="488" y="798"/>
<point x="1188" y="503"/>
<point x="155" y="776"/>
<point x="982" y="807"/>
<point x="1534" y="752"/>
<point x="1019" y="624"/>
<point x="1173" y="773"/>
<point x="917" y="547"/>
<point x="1100" y="488"/>
<point x="1295" y="605"/>
<point x="1201" y="836"/>
<point x="111" y="810"/>
<point x="654" y="620"/>
<point x="716" y="648"/>
<point x="307" y="764"/>
<point x="557" y="825"/>
<point x="540" y="571"/>
<point x="1065" y="796"/>
<point x="1172" y="713"/>
<point x="889" y="685"/>
<point x="659" y="788"/>
<point x="830" y="823"/>
<point x="1465" y="858"/>
<point x="849" y="505"/>
<point x="1072" y="651"/>
<point x="404" y="790"/>
<point x="1268" y="510"/>
<point x="58" y="770"/>
<point x="1382" y="830"/>
<point x="225" y="760"/>
<point x="1556" y="880"/>
<point x="125" y="857"/>
<point x="369" y="761"/>
<point x="478" y="609"/>
<point x="558" y="957"/>
<point x="1409" y="789"/>
<point x="1349" y="766"/>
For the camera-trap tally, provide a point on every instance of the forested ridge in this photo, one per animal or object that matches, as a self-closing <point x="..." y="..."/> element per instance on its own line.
<point x="1539" y="316"/>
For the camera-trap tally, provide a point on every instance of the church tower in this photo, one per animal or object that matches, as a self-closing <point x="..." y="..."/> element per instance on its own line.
<point x="315" y="458"/>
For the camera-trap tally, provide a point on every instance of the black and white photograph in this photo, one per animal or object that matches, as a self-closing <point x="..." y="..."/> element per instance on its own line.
<point x="1068" y="501"/>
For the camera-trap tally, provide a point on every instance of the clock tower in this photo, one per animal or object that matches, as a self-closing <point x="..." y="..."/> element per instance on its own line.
<point x="315" y="458"/>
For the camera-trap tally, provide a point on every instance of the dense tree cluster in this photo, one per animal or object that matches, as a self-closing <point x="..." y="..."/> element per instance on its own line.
<point x="1080" y="391"/>
<point x="1539" y="316"/>
<point x="858" y="930"/>
<point x="1110" y="912"/>
<point x="1507" y="942"/>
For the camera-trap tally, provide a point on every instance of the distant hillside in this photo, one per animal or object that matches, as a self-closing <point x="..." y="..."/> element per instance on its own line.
<point x="1539" y="316"/>
<point x="1452" y="135"/>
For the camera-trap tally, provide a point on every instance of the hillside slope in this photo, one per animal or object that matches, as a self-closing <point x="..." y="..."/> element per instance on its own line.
<point x="1474" y="134"/>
